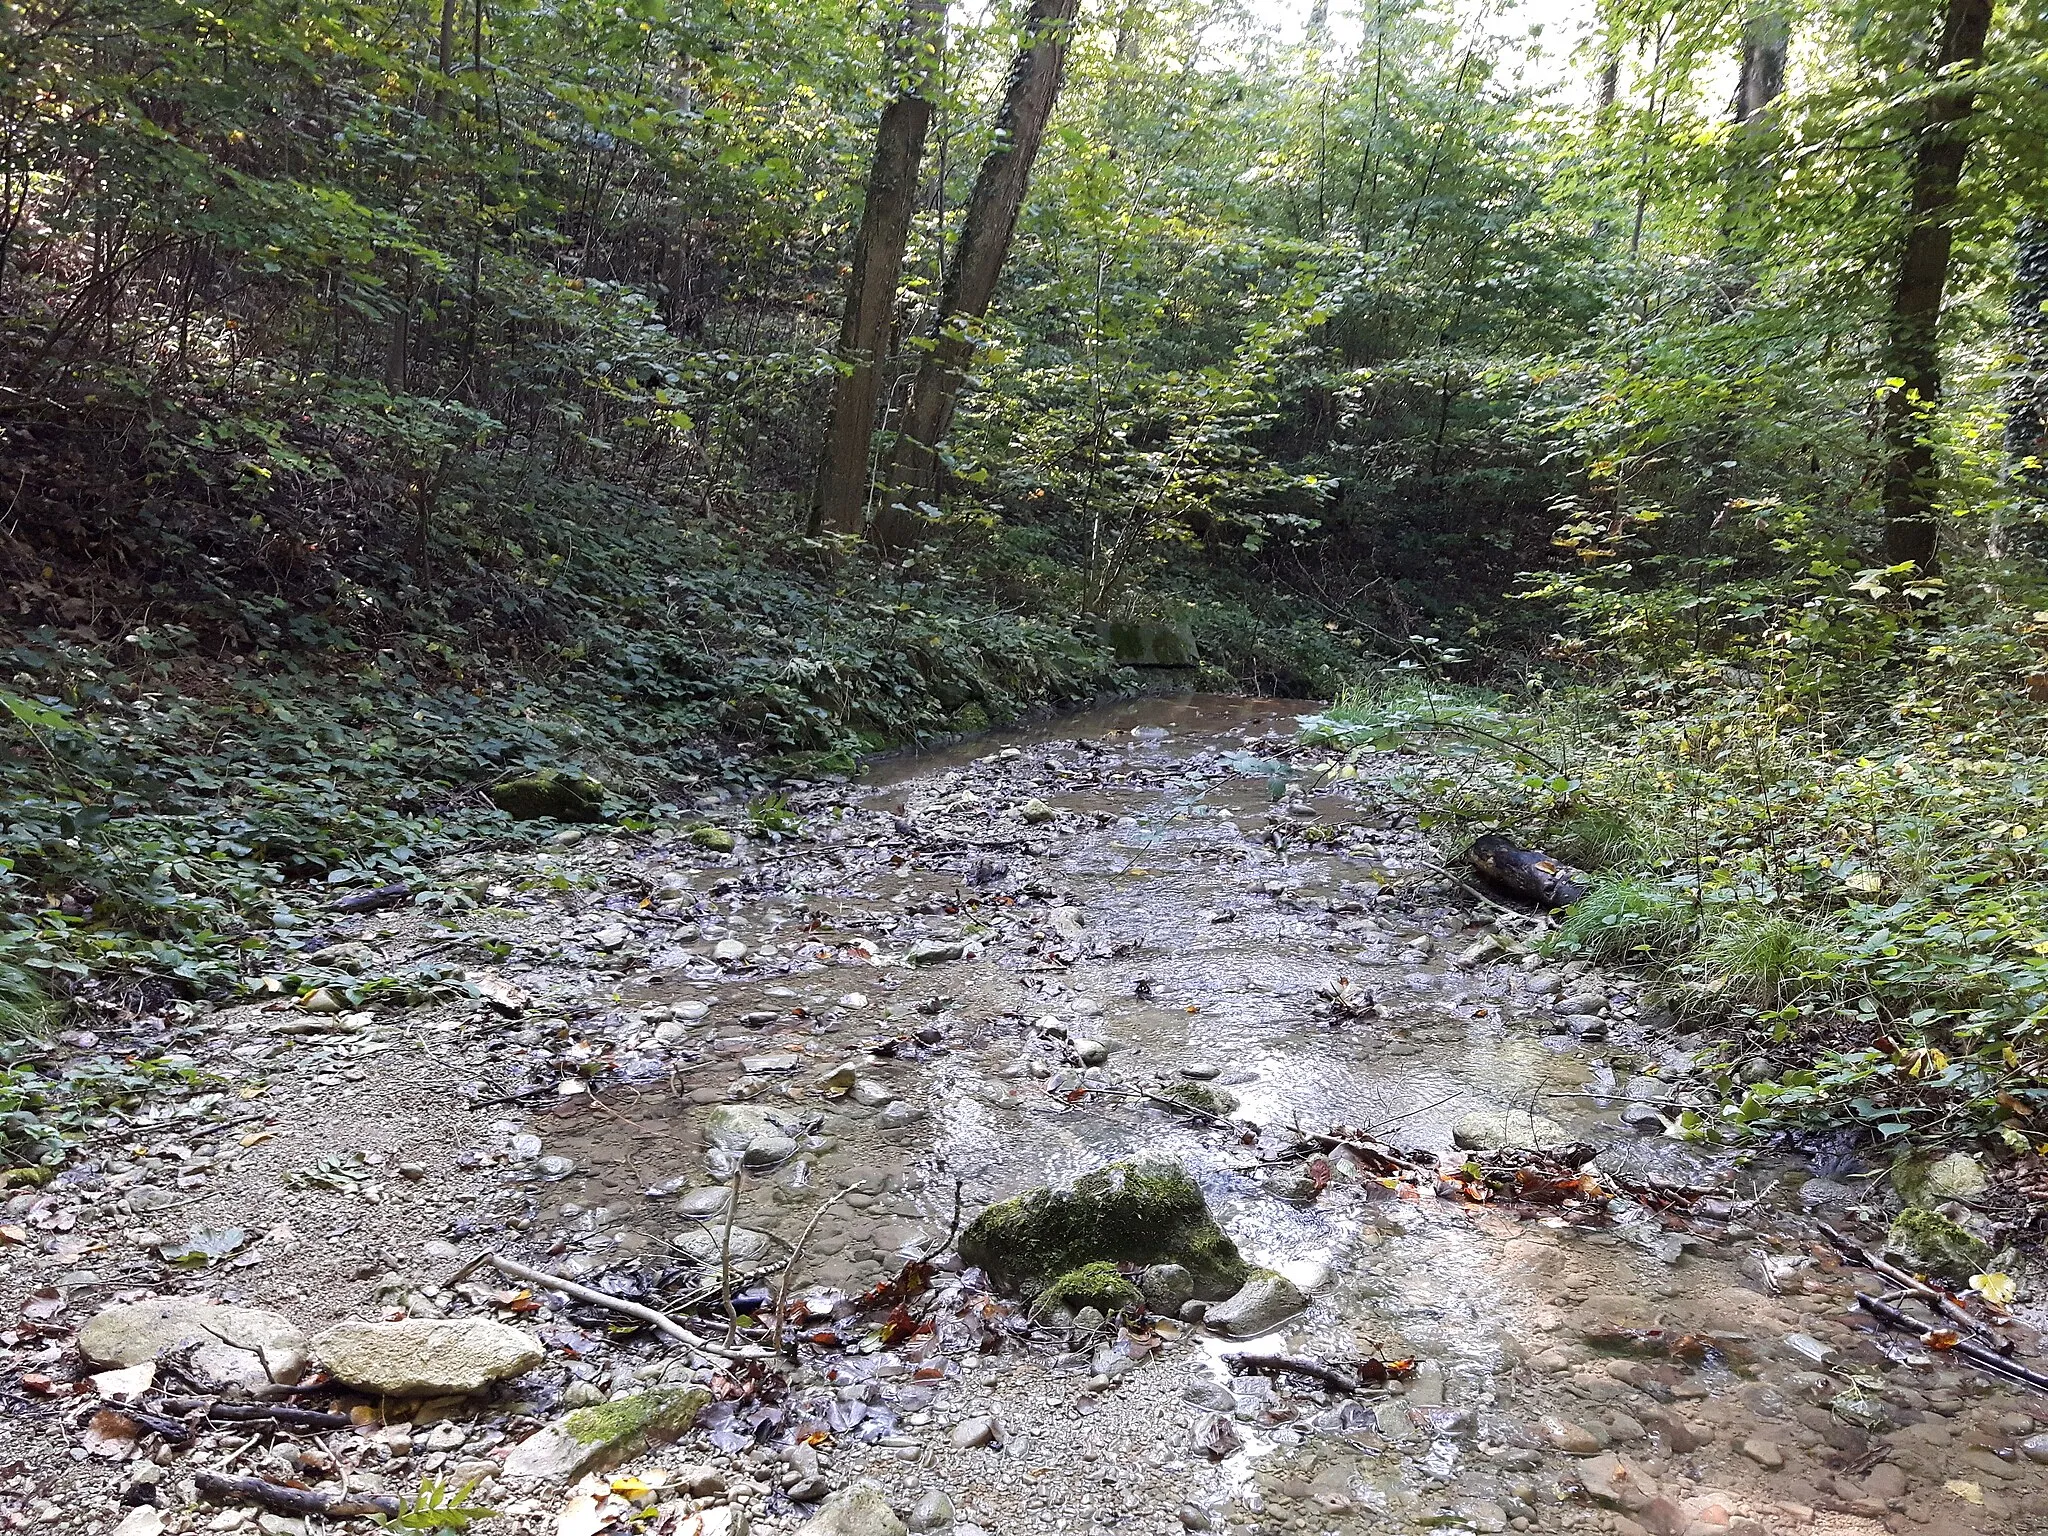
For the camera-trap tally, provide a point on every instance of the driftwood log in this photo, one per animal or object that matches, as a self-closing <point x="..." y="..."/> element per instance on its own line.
<point x="1524" y="872"/>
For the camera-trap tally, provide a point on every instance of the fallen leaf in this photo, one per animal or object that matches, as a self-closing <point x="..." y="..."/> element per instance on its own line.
<point x="1941" y="1338"/>
<point x="1999" y="1289"/>
<point x="13" y="1234"/>
<point x="256" y="1138"/>
<point x="582" y="1516"/>
<point x="111" y="1433"/>
<point x="1969" y="1493"/>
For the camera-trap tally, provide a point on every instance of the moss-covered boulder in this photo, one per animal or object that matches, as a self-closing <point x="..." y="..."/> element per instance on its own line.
<point x="714" y="839"/>
<point x="1150" y="643"/>
<point x="551" y="794"/>
<point x="603" y="1435"/>
<point x="1935" y="1245"/>
<point x="1128" y="1213"/>
<point x="1100" y="1285"/>
<point x="1931" y="1182"/>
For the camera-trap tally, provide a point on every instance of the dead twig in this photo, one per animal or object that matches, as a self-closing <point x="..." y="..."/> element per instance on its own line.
<point x="1295" y="1365"/>
<point x="783" y="1341"/>
<point x="1941" y="1301"/>
<point x="660" y="1321"/>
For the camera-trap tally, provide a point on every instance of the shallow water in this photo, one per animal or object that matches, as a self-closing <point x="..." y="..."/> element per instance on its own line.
<point x="1183" y="914"/>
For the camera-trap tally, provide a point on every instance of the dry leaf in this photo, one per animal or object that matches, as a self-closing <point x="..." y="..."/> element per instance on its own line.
<point x="111" y="1433"/>
<point x="1969" y="1493"/>
<point x="1999" y="1289"/>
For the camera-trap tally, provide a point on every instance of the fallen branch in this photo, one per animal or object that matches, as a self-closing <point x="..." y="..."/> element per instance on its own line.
<point x="287" y="1500"/>
<point x="660" y="1321"/>
<point x="1295" y="1365"/>
<point x="1524" y="872"/>
<point x="1941" y="1301"/>
<point x="1976" y="1354"/>
<point x="258" y="1413"/>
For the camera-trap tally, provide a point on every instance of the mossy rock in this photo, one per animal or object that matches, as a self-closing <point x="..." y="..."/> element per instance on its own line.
<point x="1930" y="1182"/>
<point x="1220" y="1102"/>
<point x="603" y="1435"/>
<point x="1102" y="1286"/>
<point x="1129" y="1213"/>
<point x="1935" y="1245"/>
<point x="549" y="795"/>
<point x="971" y="717"/>
<point x="716" y="839"/>
<point x="1149" y="643"/>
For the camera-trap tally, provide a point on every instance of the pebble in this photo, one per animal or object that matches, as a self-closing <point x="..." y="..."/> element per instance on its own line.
<point x="1764" y="1453"/>
<point x="971" y="1434"/>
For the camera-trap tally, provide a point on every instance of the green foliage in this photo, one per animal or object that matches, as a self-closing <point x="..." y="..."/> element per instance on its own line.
<point x="439" y="1506"/>
<point x="1625" y="917"/>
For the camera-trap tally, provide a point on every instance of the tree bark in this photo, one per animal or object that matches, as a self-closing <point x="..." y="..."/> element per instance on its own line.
<point x="1766" y="37"/>
<point x="1913" y="341"/>
<point x="841" y="496"/>
<point x="984" y="245"/>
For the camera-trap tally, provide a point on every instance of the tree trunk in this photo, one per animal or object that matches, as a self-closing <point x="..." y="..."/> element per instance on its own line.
<point x="1750" y="179"/>
<point x="978" y="257"/>
<point x="2026" y="419"/>
<point x="841" y="495"/>
<point x="1913" y="341"/>
<point x="1766" y="37"/>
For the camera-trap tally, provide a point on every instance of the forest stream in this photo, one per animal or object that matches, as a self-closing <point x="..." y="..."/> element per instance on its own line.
<point x="975" y="972"/>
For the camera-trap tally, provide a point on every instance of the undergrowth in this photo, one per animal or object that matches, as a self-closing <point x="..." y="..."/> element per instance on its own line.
<point x="1853" y="899"/>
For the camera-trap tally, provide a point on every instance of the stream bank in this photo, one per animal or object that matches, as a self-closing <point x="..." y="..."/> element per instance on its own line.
<point x="959" y="984"/>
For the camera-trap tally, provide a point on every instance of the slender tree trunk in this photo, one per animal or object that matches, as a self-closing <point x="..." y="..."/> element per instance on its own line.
<point x="877" y="270"/>
<point x="2026" y="421"/>
<point x="986" y="232"/>
<point x="1766" y="38"/>
<point x="1913" y="343"/>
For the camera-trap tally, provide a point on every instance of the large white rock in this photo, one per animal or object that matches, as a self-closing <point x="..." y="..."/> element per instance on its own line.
<point x="426" y="1356"/>
<point x="1498" y="1130"/>
<point x="245" y="1345"/>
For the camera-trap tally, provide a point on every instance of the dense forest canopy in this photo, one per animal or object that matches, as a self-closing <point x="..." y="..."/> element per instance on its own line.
<point x="396" y="396"/>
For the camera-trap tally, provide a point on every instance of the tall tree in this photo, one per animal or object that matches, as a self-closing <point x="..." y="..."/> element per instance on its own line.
<point x="1940" y="146"/>
<point x="840" y="498"/>
<point x="986" y="231"/>
<point x="1766" y="37"/>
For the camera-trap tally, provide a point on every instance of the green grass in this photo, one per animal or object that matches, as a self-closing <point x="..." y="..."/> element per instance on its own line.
<point x="1626" y="917"/>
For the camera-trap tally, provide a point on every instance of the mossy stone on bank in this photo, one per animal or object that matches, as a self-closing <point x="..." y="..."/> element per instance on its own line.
<point x="1130" y="1213"/>
<point x="603" y="1435"/>
<point x="551" y="794"/>
<point x="1935" y="1245"/>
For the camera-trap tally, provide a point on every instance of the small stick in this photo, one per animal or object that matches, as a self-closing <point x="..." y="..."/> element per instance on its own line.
<point x="259" y="1413"/>
<point x="658" y="1320"/>
<point x="732" y="1211"/>
<point x="1976" y="1354"/>
<point x="286" y="1500"/>
<point x="783" y="1342"/>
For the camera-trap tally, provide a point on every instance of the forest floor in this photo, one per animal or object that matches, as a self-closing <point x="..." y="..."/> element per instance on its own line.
<point x="936" y="995"/>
